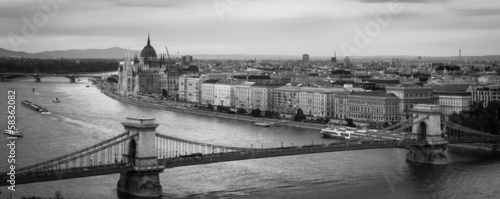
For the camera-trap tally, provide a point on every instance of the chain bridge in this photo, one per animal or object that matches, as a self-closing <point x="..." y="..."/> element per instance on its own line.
<point x="140" y="153"/>
<point x="71" y="76"/>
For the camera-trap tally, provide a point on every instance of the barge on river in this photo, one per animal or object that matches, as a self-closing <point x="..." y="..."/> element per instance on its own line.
<point x="34" y="106"/>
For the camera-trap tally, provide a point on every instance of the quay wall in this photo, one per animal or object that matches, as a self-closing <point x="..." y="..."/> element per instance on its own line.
<point x="189" y="110"/>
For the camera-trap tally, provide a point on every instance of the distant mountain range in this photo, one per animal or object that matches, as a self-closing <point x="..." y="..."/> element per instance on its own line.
<point x="119" y="53"/>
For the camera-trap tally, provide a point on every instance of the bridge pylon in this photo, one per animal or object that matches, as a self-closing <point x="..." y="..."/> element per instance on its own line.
<point x="144" y="180"/>
<point x="429" y="131"/>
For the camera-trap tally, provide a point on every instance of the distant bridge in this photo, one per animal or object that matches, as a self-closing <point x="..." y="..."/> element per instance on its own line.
<point x="71" y="76"/>
<point x="140" y="153"/>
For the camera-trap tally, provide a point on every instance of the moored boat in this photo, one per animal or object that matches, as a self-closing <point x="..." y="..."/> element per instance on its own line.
<point x="14" y="133"/>
<point x="263" y="124"/>
<point x="34" y="106"/>
<point x="336" y="133"/>
<point x="55" y="100"/>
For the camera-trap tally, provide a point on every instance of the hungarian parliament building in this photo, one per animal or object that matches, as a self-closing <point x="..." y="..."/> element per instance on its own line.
<point x="149" y="74"/>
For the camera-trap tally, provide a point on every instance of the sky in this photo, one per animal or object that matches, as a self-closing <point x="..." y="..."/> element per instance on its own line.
<point x="256" y="27"/>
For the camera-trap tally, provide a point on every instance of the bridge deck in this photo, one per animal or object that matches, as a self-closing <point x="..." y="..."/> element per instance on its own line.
<point x="51" y="175"/>
<point x="276" y="152"/>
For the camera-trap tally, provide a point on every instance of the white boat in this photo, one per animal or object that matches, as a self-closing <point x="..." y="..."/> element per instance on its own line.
<point x="346" y="133"/>
<point x="14" y="133"/>
<point x="55" y="100"/>
<point x="263" y="124"/>
<point x="336" y="133"/>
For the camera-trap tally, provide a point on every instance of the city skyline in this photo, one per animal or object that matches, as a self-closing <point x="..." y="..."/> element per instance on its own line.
<point x="420" y="28"/>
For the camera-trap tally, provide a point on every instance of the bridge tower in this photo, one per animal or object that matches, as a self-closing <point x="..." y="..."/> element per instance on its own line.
<point x="144" y="180"/>
<point x="428" y="130"/>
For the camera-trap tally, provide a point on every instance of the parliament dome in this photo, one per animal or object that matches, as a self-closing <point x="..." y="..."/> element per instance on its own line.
<point x="148" y="51"/>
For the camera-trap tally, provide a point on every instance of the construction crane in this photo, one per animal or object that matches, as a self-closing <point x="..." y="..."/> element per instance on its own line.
<point x="168" y="54"/>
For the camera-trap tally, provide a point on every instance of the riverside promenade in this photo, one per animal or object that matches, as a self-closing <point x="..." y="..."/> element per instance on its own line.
<point x="199" y="111"/>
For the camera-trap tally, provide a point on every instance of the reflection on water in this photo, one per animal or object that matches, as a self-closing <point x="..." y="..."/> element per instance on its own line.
<point x="84" y="117"/>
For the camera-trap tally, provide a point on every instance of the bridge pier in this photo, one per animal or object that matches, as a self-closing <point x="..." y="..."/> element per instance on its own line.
<point x="427" y="154"/>
<point x="428" y="130"/>
<point x="144" y="180"/>
<point x="140" y="184"/>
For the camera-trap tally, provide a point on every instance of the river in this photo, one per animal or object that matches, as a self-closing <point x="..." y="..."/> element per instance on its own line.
<point x="85" y="116"/>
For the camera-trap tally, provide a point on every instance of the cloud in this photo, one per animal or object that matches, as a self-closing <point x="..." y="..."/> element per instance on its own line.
<point x="403" y="1"/>
<point x="474" y="12"/>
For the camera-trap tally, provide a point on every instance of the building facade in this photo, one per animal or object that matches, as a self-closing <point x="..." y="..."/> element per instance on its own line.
<point x="453" y="98"/>
<point x="262" y="96"/>
<point x="190" y="88"/>
<point x="224" y="93"/>
<point x="146" y="74"/>
<point x="318" y="102"/>
<point x="341" y="106"/>
<point x="485" y="94"/>
<point x="243" y="95"/>
<point x="410" y="94"/>
<point x="373" y="107"/>
<point x="285" y="99"/>
<point x="207" y="91"/>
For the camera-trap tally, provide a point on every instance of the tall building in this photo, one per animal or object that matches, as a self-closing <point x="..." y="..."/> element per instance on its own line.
<point x="186" y="60"/>
<point x="190" y="88"/>
<point x="243" y="95"/>
<point x="410" y="94"/>
<point x="285" y="99"/>
<point x="453" y="98"/>
<point x="146" y="74"/>
<point x="341" y="106"/>
<point x="224" y="93"/>
<point x="318" y="102"/>
<point x="485" y="94"/>
<point x="262" y="95"/>
<point x="305" y="58"/>
<point x="373" y="107"/>
<point x="207" y="91"/>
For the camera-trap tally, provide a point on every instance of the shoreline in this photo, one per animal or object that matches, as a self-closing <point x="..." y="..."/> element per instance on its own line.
<point x="488" y="148"/>
<point x="189" y="110"/>
<point x="181" y="109"/>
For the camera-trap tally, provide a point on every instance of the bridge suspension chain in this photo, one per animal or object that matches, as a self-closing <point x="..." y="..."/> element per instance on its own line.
<point x="80" y="155"/>
<point x="467" y="130"/>
<point x="399" y="124"/>
<point x="199" y="143"/>
<point x="171" y="147"/>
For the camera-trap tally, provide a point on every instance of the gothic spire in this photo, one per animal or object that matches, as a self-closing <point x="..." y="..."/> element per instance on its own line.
<point x="148" y="39"/>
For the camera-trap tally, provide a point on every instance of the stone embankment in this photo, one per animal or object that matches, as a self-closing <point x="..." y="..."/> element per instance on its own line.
<point x="175" y="107"/>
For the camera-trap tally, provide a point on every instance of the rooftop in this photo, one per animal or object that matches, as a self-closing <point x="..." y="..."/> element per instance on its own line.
<point x="373" y="94"/>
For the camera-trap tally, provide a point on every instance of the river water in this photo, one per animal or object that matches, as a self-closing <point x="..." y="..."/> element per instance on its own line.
<point x="85" y="116"/>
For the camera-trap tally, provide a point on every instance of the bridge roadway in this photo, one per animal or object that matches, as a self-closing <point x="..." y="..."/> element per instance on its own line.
<point x="60" y="174"/>
<point x="282" y="151"/>
<point x="197" y="159"/>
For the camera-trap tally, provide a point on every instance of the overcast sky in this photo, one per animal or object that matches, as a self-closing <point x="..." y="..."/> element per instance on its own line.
<point x="275" y="27"/>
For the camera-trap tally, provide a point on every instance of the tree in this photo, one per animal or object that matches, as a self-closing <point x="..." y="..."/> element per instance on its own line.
<point x="256" y="112"/>
<point x="350" y="122"/>
<point x="241" y="111"/>
<point x="268" y="113"/>
<point x="210" y="107"/>
<point x="385" y="125"/>
<point x="164" y="93"/>
<point x="300" y="116"/>
<point x="277" y="114"/>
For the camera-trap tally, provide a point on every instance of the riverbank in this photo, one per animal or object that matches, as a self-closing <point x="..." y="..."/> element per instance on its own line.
<point x="481" y="148"/>
<point x="198" y="111"/>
